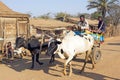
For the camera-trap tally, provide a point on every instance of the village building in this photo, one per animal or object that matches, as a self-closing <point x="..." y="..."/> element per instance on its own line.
<point x="12" y="24"/>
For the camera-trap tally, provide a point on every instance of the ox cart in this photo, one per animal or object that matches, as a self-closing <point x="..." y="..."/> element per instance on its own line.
<point x="96" y="52"/>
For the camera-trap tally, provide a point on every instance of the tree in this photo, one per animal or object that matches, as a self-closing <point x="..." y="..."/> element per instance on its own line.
<point x="87" y="15"/>
<point x="62" y="16"/>
<point x="101" y="5"/>
<point x="114" y="13"/>
<point x="95" y="15"/>
<point x="45" y="16"/>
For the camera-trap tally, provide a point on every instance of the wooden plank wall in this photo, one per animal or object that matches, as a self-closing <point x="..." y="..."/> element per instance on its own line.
<point x="10" y="28"/>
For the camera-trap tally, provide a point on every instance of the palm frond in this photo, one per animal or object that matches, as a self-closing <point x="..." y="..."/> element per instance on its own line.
<point x="91" y="7"/>
<point x="112" y="1"/>
<point x="92" y="4"/>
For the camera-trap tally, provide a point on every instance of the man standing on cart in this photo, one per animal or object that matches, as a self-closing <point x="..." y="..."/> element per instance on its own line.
<point x="101" y="28"/>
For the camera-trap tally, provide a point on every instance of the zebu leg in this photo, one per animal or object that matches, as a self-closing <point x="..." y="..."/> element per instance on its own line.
<point x="37" y="59"/>
<point x="86" y="59"/>
<point x="33" y="60"/>
<point x="91" y="58"/>
<point x="52" y="58"/>
<point x="66" y="63"/>
<point x="93" y="64"/>
<point x="53" y="52"/>
<point x="70" y="66"/>
<point x="64" y="71"/>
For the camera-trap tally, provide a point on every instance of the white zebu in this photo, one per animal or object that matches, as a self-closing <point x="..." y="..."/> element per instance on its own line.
<point x="72" y="45"/>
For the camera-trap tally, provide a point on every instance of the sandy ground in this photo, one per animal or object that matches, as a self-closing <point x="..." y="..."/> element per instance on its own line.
<point x="107" y="69"/>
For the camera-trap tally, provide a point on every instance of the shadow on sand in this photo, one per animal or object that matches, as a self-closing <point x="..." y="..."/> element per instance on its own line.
<point x="94" y="76"/>
<point x="20" y="65"/>
<point x="118" y="44"/>
<point x="111" y="50"/>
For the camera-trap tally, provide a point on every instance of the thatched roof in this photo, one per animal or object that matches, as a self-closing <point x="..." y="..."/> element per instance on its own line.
<point x="48" y="24"/>
<point x="7" y="12"/>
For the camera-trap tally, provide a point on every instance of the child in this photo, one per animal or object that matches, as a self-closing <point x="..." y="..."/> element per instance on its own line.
<point x="8" y="50"/>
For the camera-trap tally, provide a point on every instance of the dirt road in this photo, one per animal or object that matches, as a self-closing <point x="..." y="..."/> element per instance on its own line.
<point x="107" y="69"/>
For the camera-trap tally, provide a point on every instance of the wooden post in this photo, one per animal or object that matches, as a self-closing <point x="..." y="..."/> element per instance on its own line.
<point x="43" y="37"/>
<point x="28" y="28"/>
<point x="42" y="40"/>
<point x="2" y="26"/>
<point x="16" y="27"/>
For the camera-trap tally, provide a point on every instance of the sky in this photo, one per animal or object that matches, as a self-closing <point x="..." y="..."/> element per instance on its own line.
<point x="40" y="7"/>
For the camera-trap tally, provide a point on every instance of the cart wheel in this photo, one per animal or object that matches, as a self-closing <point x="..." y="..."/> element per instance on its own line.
<point x="96" y="54"/>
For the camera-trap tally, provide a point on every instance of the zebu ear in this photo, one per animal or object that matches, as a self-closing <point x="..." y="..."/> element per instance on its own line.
<point x="58" y="42"/>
